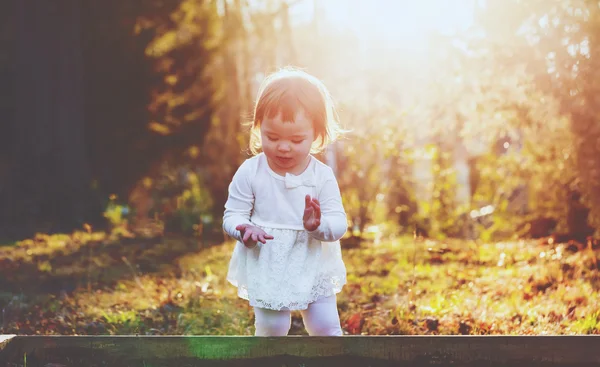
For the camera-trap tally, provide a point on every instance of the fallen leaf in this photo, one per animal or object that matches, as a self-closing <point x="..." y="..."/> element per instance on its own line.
<point x="355" y="323"/>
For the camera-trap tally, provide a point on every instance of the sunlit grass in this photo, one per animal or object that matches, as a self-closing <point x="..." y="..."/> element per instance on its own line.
<point x="395" y="286"/>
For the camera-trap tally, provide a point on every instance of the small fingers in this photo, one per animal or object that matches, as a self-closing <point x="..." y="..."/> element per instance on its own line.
<point x="317" y="210"/>
<point x="316" y="205"/>
<point x="254" y="237"/>
<point x="308" y="211"/>
<point x="268" y="237"/>
<point x="307" y="200"/>
<point x="246" y="236"/>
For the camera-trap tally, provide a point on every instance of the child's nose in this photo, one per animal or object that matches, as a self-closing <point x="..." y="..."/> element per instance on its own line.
<point x="284" y="147"/>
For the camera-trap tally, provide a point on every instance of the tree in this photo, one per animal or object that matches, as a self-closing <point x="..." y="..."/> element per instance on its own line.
<point x="557" y="43"/>
<point x="106" y="91"/>
<point x="7" y="102"/>
<point x="149" y="95"/>
<point x="48" y="171"/>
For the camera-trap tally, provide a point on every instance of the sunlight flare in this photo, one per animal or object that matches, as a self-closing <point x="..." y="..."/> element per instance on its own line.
<point x="403" y="21"/>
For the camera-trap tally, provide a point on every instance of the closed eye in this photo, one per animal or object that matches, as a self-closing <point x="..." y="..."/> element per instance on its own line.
<point x="297" y="141"/>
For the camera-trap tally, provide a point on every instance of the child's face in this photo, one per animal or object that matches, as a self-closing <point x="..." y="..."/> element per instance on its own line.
<point x="287" y="144"/>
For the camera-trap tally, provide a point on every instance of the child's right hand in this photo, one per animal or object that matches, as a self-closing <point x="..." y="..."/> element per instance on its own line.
<point x="252" y="234"/>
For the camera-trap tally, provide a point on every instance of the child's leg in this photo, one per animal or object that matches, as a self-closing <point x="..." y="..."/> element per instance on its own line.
<point x="321" y="318"/>
<point x="271" y="322"/>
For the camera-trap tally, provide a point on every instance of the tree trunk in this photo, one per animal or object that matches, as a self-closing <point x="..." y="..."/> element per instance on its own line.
<point x="587" y="132"/>
<point x="221" y="144"/>
<point x="48" y="169"/>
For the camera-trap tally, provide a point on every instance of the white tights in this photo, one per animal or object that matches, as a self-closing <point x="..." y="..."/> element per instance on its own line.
<point x="321" y="318"/>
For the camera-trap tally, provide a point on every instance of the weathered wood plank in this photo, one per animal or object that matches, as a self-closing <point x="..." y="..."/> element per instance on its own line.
<point x="347" y="351"/>
<point x="4" y="339"/>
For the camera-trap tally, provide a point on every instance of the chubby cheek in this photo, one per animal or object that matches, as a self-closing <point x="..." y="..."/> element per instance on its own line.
<point x="268" y="147"/>
<point x="304" y="148"/>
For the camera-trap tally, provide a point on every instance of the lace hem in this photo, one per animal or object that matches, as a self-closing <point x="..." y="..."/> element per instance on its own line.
<point x="324" y="288"/>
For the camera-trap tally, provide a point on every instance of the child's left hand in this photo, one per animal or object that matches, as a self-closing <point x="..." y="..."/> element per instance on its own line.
<point x="312" y="213"/>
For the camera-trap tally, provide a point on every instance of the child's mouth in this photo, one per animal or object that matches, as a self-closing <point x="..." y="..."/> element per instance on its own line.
<point x="284" y="160"/>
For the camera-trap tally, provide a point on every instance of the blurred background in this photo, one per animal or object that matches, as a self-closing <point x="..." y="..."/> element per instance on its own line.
<point x="470" y="120"/>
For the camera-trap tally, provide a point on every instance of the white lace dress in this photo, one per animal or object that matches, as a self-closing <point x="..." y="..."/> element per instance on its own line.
<point x="290" y="271"/>
<point x="296" y="267"/>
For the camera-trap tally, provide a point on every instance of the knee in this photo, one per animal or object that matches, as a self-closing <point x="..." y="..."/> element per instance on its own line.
<point x="321" y="318"/>
<point x="274" y="325"/>
<point x="325" y="329"/>
<point x="324" y="324"/>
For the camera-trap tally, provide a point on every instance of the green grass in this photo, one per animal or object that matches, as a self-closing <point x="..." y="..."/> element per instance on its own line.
<point x="95" y="284"/>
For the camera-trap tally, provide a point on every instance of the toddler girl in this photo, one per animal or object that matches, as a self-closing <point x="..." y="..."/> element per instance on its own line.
<point x="285" y="209"/>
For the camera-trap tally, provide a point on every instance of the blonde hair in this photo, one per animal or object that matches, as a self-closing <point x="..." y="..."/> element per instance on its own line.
<point x="287" y="91"/>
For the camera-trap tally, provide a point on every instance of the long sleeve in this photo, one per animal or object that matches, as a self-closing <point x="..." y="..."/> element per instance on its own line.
<point x="240" y="202"/>
<point x="333" y="217"/>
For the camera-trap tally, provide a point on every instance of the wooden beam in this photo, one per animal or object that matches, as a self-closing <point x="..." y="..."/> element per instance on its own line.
<point x="347" y="351"/>
<point x="4" y="339"/>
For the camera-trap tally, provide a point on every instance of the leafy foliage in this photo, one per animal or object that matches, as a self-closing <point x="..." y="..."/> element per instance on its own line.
<point x="556" y="51"/>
